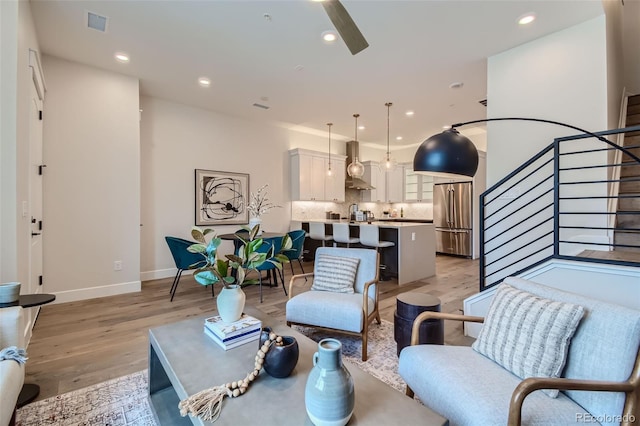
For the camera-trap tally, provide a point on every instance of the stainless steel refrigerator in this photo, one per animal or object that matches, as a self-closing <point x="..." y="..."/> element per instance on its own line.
<point x="452" y="217"/>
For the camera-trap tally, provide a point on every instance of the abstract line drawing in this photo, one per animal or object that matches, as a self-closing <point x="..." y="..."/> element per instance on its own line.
<point x="221" y="197"/>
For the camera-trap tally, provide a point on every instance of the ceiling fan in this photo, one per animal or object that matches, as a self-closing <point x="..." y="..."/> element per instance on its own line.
<point x="347" y="29"/>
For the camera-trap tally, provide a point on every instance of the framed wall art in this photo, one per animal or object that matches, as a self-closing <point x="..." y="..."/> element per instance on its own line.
<point x="221" y="198"/>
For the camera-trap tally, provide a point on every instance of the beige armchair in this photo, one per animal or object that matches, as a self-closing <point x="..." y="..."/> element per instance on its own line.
<point x="349" y="313"/>
<point x="11" y="373"/>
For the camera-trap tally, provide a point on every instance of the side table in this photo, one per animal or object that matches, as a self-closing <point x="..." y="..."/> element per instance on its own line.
<point x="408" y="306"/>
<point x="29" y="391"/>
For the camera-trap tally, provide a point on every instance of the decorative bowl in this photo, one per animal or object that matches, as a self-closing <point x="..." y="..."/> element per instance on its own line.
<point x="9" y="292"/>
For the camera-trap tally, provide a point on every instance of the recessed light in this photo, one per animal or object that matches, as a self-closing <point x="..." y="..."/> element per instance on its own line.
<point x="122" y="57"/>
<point x="360" y="127"/>
<point x="398" y="138"/>
<point x="456" y="85"/>
<point x="527" y="18"/>
<point x="329" y="36"/>
<point x="446" y="127"/>
<point x="409" y="113"/>
<point x="204" y="82"/>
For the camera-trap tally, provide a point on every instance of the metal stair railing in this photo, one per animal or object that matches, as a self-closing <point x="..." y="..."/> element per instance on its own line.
<point x="556" y="205"/>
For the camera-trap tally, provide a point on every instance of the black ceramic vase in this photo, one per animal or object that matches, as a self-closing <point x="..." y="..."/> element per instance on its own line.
<point x="280" y="360"/>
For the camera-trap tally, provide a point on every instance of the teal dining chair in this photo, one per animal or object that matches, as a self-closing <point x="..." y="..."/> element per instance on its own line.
<point x="183" y="259"/>
<point x="297" y="247"/>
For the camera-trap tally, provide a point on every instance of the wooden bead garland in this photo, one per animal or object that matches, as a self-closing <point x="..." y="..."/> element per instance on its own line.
<point x="207" y="404"/>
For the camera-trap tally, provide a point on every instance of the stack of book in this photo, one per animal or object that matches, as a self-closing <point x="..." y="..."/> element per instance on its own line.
<point x="229" y="335"/>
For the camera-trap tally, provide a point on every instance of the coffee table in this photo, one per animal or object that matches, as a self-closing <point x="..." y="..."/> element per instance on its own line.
<point x="184" y="361"/>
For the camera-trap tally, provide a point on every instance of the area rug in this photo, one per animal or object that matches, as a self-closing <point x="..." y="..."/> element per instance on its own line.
<point x="123" y="401"/>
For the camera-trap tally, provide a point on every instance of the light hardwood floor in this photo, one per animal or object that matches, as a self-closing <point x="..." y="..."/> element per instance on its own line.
<point x="78" y="344"/>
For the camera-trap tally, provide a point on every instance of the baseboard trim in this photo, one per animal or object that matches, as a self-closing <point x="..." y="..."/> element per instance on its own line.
<point x="99" y="291"/>
<point x="161" y="273"/>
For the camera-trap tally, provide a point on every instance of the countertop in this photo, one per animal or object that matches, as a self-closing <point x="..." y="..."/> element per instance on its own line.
<point x="382" y="224"/>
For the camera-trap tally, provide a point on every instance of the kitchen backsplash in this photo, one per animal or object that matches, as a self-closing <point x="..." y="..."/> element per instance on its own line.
<point x="311" y="210"/>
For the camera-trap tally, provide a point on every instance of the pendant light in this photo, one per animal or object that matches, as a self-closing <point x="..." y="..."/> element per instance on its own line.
<point x="329" y="172"/>
<point x="356" y="169"/>
<point x="388" y="163"/>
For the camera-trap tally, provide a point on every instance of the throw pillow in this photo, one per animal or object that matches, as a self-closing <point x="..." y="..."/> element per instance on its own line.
<point x="528" y="335"/>
<point x="334" y="273"/>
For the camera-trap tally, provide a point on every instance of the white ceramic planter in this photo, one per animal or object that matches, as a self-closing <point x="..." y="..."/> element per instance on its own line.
<point x="230" y="303"/>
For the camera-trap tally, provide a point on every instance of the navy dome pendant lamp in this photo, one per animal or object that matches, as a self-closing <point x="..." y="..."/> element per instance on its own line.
<point x="447" y="154"/>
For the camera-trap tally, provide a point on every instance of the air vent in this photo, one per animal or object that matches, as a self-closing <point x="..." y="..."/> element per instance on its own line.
<point x="483" y="102"/>
<point x="97" y="22"/>
<point x="261" y="106"/>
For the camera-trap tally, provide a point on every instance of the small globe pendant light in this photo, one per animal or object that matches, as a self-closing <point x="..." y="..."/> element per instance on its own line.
<point x="356" y="169"/>
<point x="329" y="172"/>
<point x="388" y="163"/>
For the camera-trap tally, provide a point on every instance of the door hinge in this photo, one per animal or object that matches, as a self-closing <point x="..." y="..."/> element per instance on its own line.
<point x="40" y="167"/>
<point x="40" y="115"/>
<point x="40" y="280"/>
<point x="39" y="225"/>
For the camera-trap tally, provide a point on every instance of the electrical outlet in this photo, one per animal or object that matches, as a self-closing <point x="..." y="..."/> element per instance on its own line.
<point x="117" y="265"/>
<point x="413" y="236"/>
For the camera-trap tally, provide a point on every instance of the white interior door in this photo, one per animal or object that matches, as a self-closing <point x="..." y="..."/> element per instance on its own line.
<point x="35" y="189"/>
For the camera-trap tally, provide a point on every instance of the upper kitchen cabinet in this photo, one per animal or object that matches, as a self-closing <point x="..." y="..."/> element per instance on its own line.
<point x="388" y="184"/>
<point x="417" y="187"/>
<point x="375" y="176"/>
<point x="309" y="179"/>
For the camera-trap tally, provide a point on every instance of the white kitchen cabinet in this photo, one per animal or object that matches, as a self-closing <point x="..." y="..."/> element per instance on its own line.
<point x="374" y="176"/>
<point x="417" y="187"/>
<point x="309" y="179"/>
<point x="395" y="184"/>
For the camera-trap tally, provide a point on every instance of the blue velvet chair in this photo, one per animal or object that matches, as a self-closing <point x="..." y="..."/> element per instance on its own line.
<point x="183" y="260"/>
<point x="267" y="244"/>
<point x="297" y="247"/>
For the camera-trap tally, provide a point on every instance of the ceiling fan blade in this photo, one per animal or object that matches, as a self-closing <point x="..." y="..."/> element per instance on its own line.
<point x="347" y="29"/>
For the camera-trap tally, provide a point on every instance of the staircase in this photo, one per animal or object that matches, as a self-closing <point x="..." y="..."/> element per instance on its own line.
<point x="628" y="214"/>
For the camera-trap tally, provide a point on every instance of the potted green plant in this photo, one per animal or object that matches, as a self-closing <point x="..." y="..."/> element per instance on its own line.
<point x="232" y="272"/>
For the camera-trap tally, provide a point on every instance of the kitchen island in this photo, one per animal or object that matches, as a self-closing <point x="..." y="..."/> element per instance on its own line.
<point x="412" y="258"/>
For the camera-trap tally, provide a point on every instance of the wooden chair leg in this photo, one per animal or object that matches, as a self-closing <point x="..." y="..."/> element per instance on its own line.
<point x="365" y="333"/>
<point x="409" y="392"/>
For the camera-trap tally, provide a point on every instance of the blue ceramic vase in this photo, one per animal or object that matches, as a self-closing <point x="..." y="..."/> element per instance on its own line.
<point x="329" y="394"/>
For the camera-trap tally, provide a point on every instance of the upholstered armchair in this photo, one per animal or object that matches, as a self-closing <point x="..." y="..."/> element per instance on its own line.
<point x="343" y="294"/>
<point x="11" y="372"/>
<point x="535" y="341"/>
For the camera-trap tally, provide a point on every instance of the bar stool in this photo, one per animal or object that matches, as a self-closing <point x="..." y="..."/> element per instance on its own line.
<point x="316" y="232"/>
<point x="341" y="234"/>
<point x="370" y="237"/>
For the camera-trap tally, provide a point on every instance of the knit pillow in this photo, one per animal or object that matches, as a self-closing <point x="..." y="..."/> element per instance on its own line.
<point x="336" y="274"/>
<point x="528" y="335"/>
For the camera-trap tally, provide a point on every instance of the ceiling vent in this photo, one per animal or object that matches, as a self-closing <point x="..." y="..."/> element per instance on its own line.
<point x="261" y="106"/>
<point x="97" y="22"/>
<point x="483" y="102"/>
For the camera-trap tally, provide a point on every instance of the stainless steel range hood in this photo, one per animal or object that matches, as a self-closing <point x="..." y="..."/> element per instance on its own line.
<point x="353" y="151"/>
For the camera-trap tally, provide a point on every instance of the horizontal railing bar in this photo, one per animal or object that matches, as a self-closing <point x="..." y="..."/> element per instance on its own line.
<point x="518" y="249"/>
<point x="625" y="212"/>
<point x="598" y="150"/>
<point x="530" y="216"/>
<point x="599" y="196"/>
<point x="633" y="179"/>
<point x="522" y="179"/>
<point x="518" y="198"/>
<point x="517" y="236"/>
<point x="602" y="228"/>
<point x="631" y="163"/>
<point x="602" y="133"/>
<point x="599" y="260"/>
<point x="517" y="261"/>
<point x="599" y="244"/>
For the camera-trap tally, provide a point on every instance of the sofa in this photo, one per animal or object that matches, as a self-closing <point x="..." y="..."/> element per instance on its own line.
<point x="599" y="377"/>
<point x="11" y="372"/>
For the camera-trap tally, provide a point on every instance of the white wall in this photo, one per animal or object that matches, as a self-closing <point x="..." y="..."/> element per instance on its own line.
<point x="615" y="62"/>
<point x="177" y="139"/>
<point x="560" y="77"/>
<point x="92" y="183"/>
